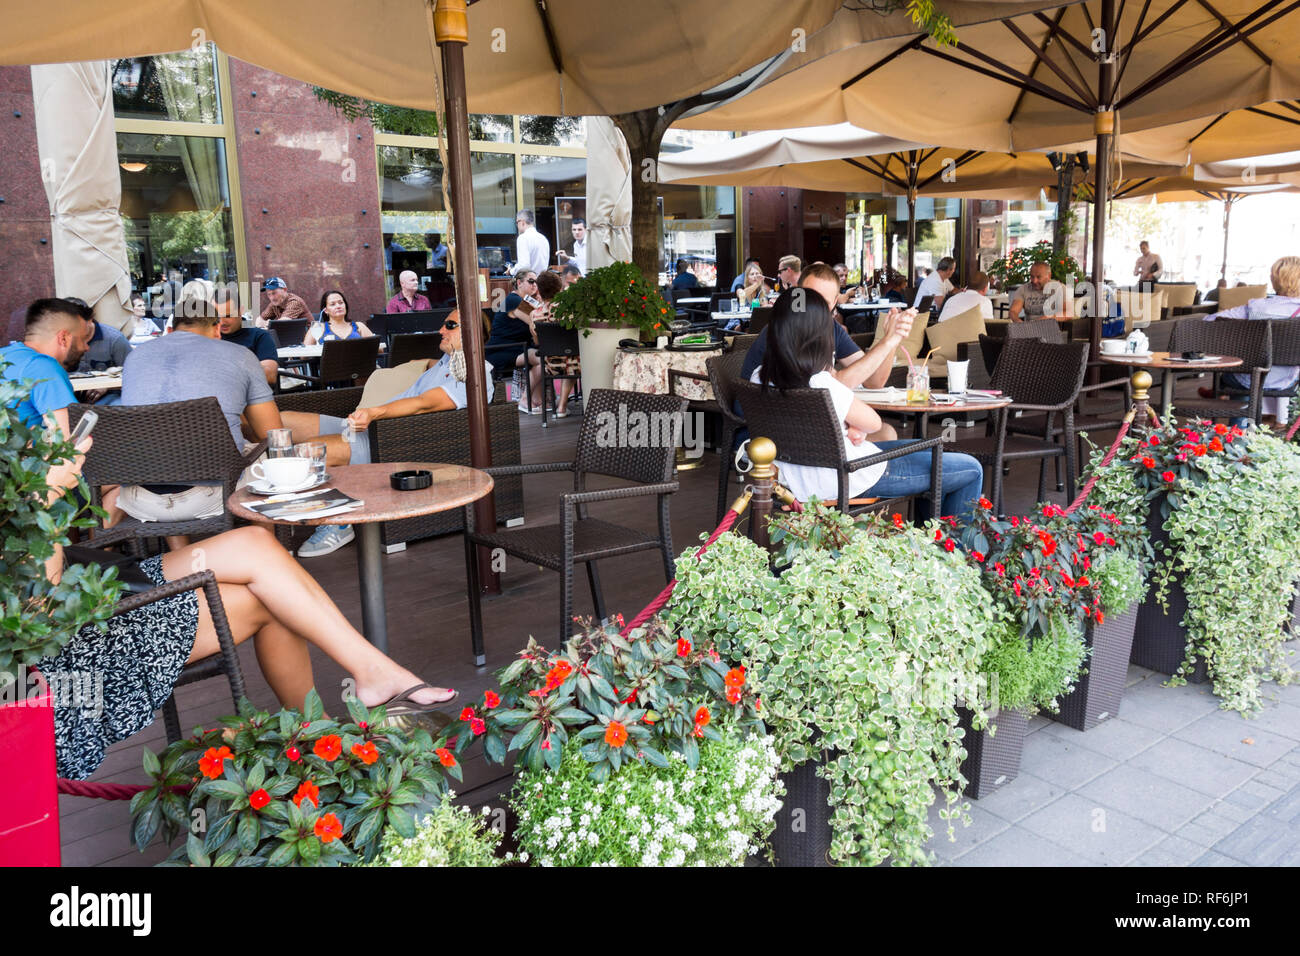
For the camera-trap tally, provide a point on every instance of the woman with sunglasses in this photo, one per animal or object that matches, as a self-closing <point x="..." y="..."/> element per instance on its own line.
<point x="508" y="346"/>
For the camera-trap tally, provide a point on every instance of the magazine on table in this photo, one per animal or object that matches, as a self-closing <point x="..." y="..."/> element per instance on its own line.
<point x="320" y="503"/>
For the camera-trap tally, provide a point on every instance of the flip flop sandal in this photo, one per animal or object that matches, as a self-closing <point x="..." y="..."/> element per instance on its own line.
<point x="401" y="705"/>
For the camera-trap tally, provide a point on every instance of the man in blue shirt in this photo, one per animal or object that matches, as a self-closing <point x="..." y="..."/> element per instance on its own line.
<point x="685" y="278"/>
<point x="54" y="340"/>
<point x="258" y="341"/>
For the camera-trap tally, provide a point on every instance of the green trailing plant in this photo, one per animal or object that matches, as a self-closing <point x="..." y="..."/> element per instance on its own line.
<point x="1033" y="674"/>
<point x="860" y="658"/>
<point x="448" y="835"/>
<point x="38" y="618"/>
<point x="1229" y="501"/>
<point x="1013" y="269"/>
<point x="617" y="295"/>
<point x="290" y="788"/>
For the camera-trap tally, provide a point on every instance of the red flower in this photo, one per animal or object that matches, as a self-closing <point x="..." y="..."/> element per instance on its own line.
<point x="1048" y="543"/>
<point x="491" y="699"/>
<point x="329" y="747"/>
<point x="1153" y="440"/>
<point x="212" y="761"/>
<point x="563" y="668"/>
<point x="258" y="799"/>
<point x="477" y="727"/>
<point x="546" y="744"/>
<point x="1016" y="586"/>
<point x="366" y="752"/>
<point x="702" y="717"/>
<point x="307" y="791"/>
<point x="1148" y="462"/>
<point x="1015" y="521"/>
<point x="683" y="647"/>
<point x="978" y="555"/>
<point x="735" y="677"/>
<point x="1199" y="450"/>
<point x="328" y="828"/>
<point x="445" y="757"/>
<point x="1216" y="445"/>
<point x="615" y="734"/>
<point x="363" y="725"/>
<point x="938" y="534"/>
<point x="1099" y="537"/>
<point x="1110" y="542"/>
<point x="1220" y="429"/>
<point x="1101" y="618"/>
<point x="986" y="504"/>
<point x="467" y="714"/>
<point x="1000" y="568"/>
<point x="1083" y="581"/>
<point x="898" y="520"/>
<point x="294" y="754"/>
<point x="733" y="695"/>
<point x="1168" y="477"/>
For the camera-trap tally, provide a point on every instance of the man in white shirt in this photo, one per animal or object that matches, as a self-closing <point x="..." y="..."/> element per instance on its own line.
<point x="936" y="283"/>
<point x="974" y="296"/>
<point x="579" y="257"/>
<point x="533" y="251"/>
<point x="1148" y="266"/>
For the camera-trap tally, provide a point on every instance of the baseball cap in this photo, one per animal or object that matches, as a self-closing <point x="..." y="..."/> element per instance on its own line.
<point x="275" y="282"/>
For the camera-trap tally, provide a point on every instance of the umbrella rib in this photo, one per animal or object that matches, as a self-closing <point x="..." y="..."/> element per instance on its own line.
<point x="1290" y="106"/>
<point x="1053" y="27"/>
<point x="1284" y="119"/>
<point x="1083" y="94"/>
<point x="961" y="161"/>
<point x="875" y="172"/>
<point x="1127" y="52"/>
<point x="1087" y="15"/>
<point x="913" y="44"/>
<point x="1018" y="80"/>
<point x="1207" y="128"/>
<point x="1068" y="37"/>
<point x="1155" y="24"/>
<point x="1223" y="21"/>
<point x="550" y="36"/>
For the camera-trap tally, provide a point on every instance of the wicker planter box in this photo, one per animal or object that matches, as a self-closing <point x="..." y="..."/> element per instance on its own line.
<point x="1097" y="694"/>
<point x="802" y="835"/>
<point x="1160" y="640"/>
<point x="29" y="813"/>
<point x="992" y="760"/>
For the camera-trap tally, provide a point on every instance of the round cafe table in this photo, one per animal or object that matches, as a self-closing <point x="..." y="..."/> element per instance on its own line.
<point x="1171" y="366"/>
<point x="454" y="486"/>
<point x="973" y="403"/>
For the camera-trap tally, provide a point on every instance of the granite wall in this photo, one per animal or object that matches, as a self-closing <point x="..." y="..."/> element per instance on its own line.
<point x="26" y="260"/>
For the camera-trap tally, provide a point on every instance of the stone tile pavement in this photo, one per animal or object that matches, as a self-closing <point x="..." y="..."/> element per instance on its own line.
<point x="1172" y="780"/>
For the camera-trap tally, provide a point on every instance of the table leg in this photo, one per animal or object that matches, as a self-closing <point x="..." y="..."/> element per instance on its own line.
<point x="922" y="425"/>
<point x="374" y="616"/>
<point x="1167" y="399"/>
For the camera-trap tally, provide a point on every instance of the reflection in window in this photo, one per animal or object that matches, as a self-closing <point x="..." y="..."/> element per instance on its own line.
<point x="492" y="128"/>
<point x="555" y="189"/>
<point x="553" y="130"/>
<point x="176" y="86"/>
<point x="700" y="227"/>
<point x="936" y="232"/>
<point x="176" y="209"/>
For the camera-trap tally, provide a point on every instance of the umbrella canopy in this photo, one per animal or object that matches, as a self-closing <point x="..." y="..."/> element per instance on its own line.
<point x="1264" y="130"/>
<point x="559" y="57"/>
<point x="78" y="154"/>
<point x="609" y="194"/>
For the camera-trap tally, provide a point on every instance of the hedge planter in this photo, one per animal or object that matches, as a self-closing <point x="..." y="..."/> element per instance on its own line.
<point x="1160" y="640"/>
<point x="803" y="824"/>
<point x="1097" y="694"/>
<point x="992" y="760"/>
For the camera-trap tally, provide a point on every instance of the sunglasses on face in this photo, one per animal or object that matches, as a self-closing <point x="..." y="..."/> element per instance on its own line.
<point x="451" y="324"/>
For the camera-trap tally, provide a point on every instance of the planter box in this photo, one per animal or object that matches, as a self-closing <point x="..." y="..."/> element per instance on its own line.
<point x="29" y="811"/>
<point x="992" y="760"/>
<point x="596" y="351"/>
<point x="1160" y="640"/>
<point x="802" y="835"/>
<point x="1097" y="694"/>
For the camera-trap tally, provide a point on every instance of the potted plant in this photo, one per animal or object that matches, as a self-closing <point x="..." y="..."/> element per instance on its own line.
<point x="1222" y="506"/>
<point x="607" y="305"/>
<point x="291" y="788"/>
<point x="36" y="619"/>
<point x="1012" y="270"/>
<point x="861" y="649"/>
<point x="448" y="835"/>
<point x="643" y="750"/>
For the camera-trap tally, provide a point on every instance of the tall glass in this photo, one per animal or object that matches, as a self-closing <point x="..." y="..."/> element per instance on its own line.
<point x="918" y="385"/>
<point x="316" y="451"/>
<point x="279" y="443"/>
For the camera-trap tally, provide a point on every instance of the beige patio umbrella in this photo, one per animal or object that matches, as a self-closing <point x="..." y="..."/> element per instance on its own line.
<point x="78" y="156"/>
<point x="609" y="194"/>
<point x="1256" y="131"/>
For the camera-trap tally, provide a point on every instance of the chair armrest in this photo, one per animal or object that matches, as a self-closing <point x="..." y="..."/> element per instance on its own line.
<point x="162" y="592"/>
<point x="301" y="375"/>
<point x="899" y="452"/>
<point x="675" y="373"/>
<point x="1024" y="407"/>
<point x="505" y="471"/>
<point x="253" y="452"/>
<point x="612" y="494"/>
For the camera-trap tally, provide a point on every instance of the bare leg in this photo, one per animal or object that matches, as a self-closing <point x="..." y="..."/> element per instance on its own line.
<point x="261" y="584"/>
<point x="566" y="389"/>
<point x="285" y="663"/>
<point x="304" y="425"/>
<point x="535" y="379"/>
<point x="522" y="362"/>
<point x="886" y="433"/>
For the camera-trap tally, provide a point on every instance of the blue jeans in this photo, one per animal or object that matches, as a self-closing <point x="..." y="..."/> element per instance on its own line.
<point x="963" y="480"/>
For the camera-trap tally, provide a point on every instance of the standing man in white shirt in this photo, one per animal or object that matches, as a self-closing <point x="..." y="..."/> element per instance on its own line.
<point x="1149" y="266"/>
<point x="975" y="295"/>
<point x="936" y="283"/>
<point x="579" y="257"/>
<point x="533" y="251"/>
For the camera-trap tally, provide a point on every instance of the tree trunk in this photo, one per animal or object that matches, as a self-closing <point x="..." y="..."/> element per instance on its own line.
<point x="644" y="132"/>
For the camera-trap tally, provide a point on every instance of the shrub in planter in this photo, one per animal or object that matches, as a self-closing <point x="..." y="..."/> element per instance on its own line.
<point x="291" y="788"/>
<point x="1225" y="507"/>
<point x="1013" y="270"/>
<point x="860" y="651"/>
<point x="448" y="835"/>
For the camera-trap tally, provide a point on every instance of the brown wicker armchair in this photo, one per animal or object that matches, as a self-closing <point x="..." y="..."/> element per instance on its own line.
<point x="579" y="539"/>
<point x="1251" y="340"/>
<point x="349" y="361"/>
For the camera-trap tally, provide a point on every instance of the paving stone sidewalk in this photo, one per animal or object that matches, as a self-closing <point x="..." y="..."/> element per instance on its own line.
<point x="1171" y="781"/>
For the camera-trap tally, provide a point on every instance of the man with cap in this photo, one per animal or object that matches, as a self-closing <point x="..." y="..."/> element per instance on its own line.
<point x="284" y="304"/>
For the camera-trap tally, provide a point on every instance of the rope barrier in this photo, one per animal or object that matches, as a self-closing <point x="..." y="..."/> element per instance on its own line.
<point x="106" y="791"/>
<point x="1110" y="456"/>
<point x="1290" y="432"/>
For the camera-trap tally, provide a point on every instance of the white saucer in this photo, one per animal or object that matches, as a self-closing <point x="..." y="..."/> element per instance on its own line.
<point x="263" y="488"/>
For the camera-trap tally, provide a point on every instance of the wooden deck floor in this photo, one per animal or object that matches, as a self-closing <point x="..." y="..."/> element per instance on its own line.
<point x="429" y="629"/>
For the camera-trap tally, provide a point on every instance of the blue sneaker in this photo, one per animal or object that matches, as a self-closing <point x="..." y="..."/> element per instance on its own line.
<point x="327" y="539"/>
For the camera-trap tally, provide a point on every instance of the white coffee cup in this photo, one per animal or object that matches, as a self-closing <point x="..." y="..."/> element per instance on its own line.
<point x="957" y="376"/>
<point x="281" y="472"/>
<point x="1113" y="346"/>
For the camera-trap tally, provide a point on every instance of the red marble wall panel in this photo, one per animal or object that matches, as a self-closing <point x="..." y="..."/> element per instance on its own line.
<point x="26" y="263"/>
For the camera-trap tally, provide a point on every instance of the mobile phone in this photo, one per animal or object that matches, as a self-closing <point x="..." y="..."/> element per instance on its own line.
<point x="88" y="420"/>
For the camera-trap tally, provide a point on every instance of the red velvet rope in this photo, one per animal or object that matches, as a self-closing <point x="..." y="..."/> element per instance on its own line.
<point x="106" y="791"/>
<point x="1290" y="432"/>
<point x="1110" y="456"/>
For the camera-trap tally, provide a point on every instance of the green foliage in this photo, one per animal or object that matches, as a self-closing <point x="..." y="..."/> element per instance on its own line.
<point x="617" y="294"/>
<point x="392" y="119"/>
<point x="36" y="617"/>
<point x="248" y="805"/>
<point x="615" y="700"/>
<point x="713" y="814"/>
<point x="1033" y="674"/>
<point x="1013" y="270"/>
<point x="930" y="20"/>
<point x="446" y="836"/>
<point x="859" y="658"/>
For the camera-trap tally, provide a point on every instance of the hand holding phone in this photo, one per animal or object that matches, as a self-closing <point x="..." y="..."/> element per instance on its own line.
<point x="84" y="427"/>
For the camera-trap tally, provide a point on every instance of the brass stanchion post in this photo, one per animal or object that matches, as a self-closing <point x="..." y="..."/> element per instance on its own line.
<point x="762" y="452"/>
<point x="1141" y="381"/>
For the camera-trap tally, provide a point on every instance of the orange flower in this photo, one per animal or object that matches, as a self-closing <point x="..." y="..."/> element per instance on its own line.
<point x="366" y="752"/>
<point x="702" y="717"/>
<point x="328" y="828"/>
<point x="735" y="677"/>
<point x="615" y="734"/>
<point x="307" y="791"/>
<point x="491" y="699"/>
<point x="212" y="761"/>
<point x="563" y="668"/>
<point x="445" y="757"/>
<point x="329" y="747"/>
<point x="733" y="695"/>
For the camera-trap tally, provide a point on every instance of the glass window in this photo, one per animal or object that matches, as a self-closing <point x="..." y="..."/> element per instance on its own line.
<point x="555" y="189"/>
<point x="176" y="209"/>
<point x="699" y="225"/>
<point x="553" y="130"/>
<point x="491" y="128"/>
<point x="176" y="86"/>
<point x="937" y="222"/>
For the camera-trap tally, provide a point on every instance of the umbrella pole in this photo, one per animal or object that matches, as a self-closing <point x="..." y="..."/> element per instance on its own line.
<point x="912" y="168"/>
<point x="1227" y="214"/>
<point x="450" y="28"/>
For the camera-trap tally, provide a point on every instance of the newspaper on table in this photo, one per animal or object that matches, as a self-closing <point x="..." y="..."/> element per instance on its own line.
<point x="320" y="503"/>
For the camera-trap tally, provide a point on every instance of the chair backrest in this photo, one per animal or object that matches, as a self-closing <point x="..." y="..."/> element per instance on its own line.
<point x="290" y="332"/>
<point x="414" y="345"/>
<point x="404" y="323"/>
<point x="1231" y="298"/>
<point x="1250" y="340"/>
<point x="724" y="373"/>
<point x="554" y="339"/>
<point x="991" y="350"/>
<point x="801" y="421"/>
<point x="1041" y="373"/>
<point x="1286" y="341"/>
<point x="349" y="360"/>
<point x="630" y="435"/>
<point x="1044" y="330"/>
<point x="1139" y="307"/>
<point x="864" y="340"/>
<point x="759" y="318"/>
<point x="171" y="443"/>
<point x="945" y="336"/>
<point x="378" y="323"/>
<point x="741" y="343"/>
<point x="1179" y="295"/>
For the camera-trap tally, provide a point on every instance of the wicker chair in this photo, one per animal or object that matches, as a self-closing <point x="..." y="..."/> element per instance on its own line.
<point x="556" y="341"/>
<point x="723" y="371"/>
<point x="174" y="443"/>
<point x="803" y="424"/>
<point x="289" y="332"/>
<point x="1250" y="340"/>
<point x="350" y="361"/>
<point x="758" y="319"/>
<point x="1040" y="377"/>
<point x="579" y="539"/>
<point x="414" y="345"/>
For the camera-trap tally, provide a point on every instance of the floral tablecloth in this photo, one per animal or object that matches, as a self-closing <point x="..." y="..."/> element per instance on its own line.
<point x="647" y="372"/>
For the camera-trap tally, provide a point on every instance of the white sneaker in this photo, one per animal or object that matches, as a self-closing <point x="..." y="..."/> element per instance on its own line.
<point x="327" y="539"/>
